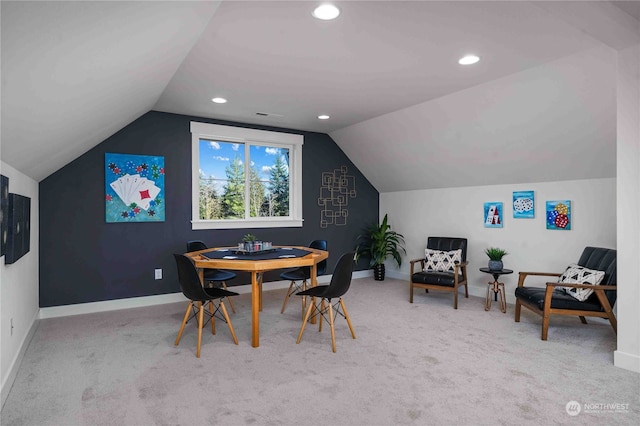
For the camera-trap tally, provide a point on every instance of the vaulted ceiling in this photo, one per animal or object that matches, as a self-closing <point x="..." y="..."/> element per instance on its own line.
<point x="402" y="108"/>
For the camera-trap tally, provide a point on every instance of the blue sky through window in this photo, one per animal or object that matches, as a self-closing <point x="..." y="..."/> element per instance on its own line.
<point x="216" y="156"/>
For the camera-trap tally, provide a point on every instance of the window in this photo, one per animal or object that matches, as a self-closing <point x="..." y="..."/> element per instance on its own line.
<point x="245" y="178"/>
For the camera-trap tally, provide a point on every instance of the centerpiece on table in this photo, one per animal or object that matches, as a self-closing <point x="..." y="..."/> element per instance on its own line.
<point x="251" y="244"/>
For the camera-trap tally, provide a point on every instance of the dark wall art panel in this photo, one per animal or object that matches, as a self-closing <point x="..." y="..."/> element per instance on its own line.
<point x="84" y="259"/>
<point x="19" y="225"/>
<point x="4" y="213"/>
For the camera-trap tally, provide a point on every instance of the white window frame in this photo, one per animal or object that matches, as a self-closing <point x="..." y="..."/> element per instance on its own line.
<point x="218" y="132"/>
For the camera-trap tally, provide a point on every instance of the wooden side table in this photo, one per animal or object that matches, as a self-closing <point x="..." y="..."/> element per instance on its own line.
<point x="497" y="287"/>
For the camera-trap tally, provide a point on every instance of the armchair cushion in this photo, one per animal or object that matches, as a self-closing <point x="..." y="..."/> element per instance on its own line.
<point x="580" y="275"/>
<point x="559" y="300"/>
<point x="445" y="279"/>
<point x="441" y="261"/>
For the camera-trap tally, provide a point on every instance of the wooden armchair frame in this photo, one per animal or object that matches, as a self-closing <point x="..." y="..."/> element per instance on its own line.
<point x="460" y="267"/>
<point x="547" y="310"/>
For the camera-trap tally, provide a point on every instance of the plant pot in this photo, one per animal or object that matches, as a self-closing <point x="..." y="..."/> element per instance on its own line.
<point x="378" y="272"/>
<point x="495" y="265"/>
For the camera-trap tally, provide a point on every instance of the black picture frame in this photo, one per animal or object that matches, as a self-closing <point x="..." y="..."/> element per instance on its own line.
<point x="19" y="224"/>
<point x="4" y="213"/>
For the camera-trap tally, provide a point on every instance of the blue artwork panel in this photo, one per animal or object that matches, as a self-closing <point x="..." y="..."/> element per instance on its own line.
<point x="523" y="205"/>
<point x="559" y="215"/>
<point x="493" y="215"/>
<point x="134" y="188"/>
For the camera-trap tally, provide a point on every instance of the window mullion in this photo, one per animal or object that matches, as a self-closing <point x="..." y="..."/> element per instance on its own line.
<point x="247" y="180"/>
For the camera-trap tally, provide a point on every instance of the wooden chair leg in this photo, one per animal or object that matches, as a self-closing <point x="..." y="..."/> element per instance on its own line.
<point x="466" y="290"/>
<point x="545" y="326"/>
<point x="333" y="331"/>
<point x="213" y="323"/>
<point x="200" y="324"/>
<point x="184" y="322"/>
<point x="583" y="319"/>
<point x="304" y="321"/>
<point x="321" y="316"/>
<point x="233" y="308"/>
<point x="286" y="298"/>
<point x="455" y="298"/>
<point x="226" y="317"/>
<point x="411" y="292"/>
<point x="346" y="316"/>
<point x="518" y="309"/>
<point x="304" y="298"/>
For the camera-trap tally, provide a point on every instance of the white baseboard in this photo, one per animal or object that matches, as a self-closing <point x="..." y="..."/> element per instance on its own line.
<point x="627" y="361"/>
<point x="138" y="302"/>
<point x="17" y="360"/>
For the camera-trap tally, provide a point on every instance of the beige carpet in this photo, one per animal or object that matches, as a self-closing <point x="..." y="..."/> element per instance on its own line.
<point x="417" y="364"/>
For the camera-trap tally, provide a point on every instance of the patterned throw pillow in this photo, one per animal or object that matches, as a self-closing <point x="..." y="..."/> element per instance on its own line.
<point x="580" y="275"/>
<point x="441" y="261"/>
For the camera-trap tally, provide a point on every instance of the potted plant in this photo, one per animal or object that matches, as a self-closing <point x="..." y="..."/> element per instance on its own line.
<point x="249" y="242"/>
<point x="378" y="242"/>
<point x="495" y="257"/>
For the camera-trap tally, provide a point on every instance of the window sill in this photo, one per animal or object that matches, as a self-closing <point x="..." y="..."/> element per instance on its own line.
<point x="241" y="224"/>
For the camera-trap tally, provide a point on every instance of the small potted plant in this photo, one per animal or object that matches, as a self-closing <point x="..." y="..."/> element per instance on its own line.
<point x="377" y="243"/>
<point x="495" y="257"/>
<point x="249" y="242"/>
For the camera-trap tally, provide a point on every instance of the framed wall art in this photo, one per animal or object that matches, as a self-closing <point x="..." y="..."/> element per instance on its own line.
<point x="134" y="188"/>
<point x="559" y="215"/>
<point x="493" y="215"/>
<point x="523" y="205"/>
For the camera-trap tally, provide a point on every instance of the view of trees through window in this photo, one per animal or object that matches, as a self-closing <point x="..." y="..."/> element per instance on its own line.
<point x="224" y="176"/>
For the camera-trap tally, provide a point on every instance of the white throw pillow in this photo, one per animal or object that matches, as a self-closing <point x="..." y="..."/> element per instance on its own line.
<point x="441" y="261"/>
<point x="580" y="275"/>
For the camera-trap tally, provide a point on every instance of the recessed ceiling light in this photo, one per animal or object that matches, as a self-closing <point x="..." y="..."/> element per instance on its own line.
<point x="326" y="12"/>
<point x="323" y="117"/>
<point x="468" y="60"/>
<point x="219" y="100"/>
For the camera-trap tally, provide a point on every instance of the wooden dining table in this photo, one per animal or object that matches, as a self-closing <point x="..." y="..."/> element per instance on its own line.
<point x="257" y="267"/>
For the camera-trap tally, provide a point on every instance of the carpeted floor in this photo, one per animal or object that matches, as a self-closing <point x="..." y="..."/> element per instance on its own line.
<point x="418" y="364"/>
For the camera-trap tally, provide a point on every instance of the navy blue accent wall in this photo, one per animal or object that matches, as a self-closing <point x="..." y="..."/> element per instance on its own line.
<point x="84" y="259"/>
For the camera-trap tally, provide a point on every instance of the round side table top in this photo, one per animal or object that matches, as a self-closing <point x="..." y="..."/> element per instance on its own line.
<point x="498" y="272"/>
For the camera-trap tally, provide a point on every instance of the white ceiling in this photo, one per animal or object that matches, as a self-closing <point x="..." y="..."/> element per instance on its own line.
<point x="74" y="73"/>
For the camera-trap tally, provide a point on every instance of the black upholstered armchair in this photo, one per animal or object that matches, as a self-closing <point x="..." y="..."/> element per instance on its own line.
<point x="559" y="298"/>
<point x="443" y="268"/>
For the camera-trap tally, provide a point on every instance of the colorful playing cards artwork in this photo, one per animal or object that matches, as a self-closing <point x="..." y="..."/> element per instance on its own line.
<point x="134" y="188"/>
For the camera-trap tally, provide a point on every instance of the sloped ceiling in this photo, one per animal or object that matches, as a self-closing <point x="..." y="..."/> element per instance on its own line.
<point x="404" y="111"/>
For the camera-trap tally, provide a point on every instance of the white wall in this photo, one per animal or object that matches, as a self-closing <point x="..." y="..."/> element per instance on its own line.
<point x="18" y="288"/>
<point x="458" y="212"/>
<point x="627" y="354"/>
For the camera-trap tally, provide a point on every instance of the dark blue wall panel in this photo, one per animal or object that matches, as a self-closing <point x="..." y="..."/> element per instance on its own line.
<point x="84" y="259"/>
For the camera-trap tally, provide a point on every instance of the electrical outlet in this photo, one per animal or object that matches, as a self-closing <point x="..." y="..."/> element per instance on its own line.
<point x="158" y="274"/>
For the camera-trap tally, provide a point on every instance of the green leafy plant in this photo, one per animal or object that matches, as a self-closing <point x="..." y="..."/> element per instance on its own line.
<point x="378" y="242"/>
<point x="495" y="253"/>
<point x="248" y="238"/>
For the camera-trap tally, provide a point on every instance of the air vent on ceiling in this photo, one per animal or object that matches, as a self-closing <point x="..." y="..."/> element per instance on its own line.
<point x="269" y="114"/>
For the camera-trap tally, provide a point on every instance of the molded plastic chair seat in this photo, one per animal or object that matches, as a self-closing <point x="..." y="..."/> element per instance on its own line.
<point x="303" y="274"/>
<point x="213" y="275"/>
<point x="340" y="282"/>
<point x="199" y="297"/>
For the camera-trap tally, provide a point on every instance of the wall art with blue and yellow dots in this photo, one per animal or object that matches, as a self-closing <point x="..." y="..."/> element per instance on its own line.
<point x="559" y="215"/>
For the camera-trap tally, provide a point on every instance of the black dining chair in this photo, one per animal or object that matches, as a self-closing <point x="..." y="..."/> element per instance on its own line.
<point x="303" y="274"/>
<point x="198" y="296"/>
<point x="213" y="276"/>
<point x="340" y="282"/>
